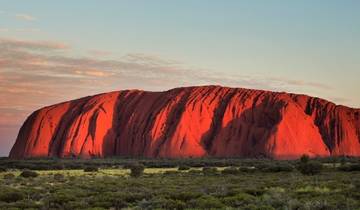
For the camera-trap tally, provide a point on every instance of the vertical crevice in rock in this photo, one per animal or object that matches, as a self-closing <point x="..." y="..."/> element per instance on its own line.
<point x="217" y="119"/>
<point x="173" y="120"/>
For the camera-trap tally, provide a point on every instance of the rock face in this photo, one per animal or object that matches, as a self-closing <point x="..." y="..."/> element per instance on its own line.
<point x="191" y="122"/>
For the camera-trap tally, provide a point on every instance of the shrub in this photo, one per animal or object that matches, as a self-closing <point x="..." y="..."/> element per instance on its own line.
<point x="163" y="203"/>
<point x="239" y="200"/>
<point x="351" y="167"/>
<point x="310" y="168"/>
<point x="60" y="198"/>
<point x="183" y="168"/>
<point x="209" y="170"/>
<point x="207" y="202"/>
<point x="184" y="195"/>
<point x="231" y="170"/>
<point x="9" y="176"/>
<point x="2" y="169"/>
<point x="279" y="167"/>
<point x="11" y="196"/>
<point x="91" y="169"/>
<point x="29" y="173"/>
<point x="136" y="170"/>
<point x="304" y="159"/>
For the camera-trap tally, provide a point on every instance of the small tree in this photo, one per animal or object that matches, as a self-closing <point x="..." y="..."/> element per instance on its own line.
<point x="136" y="170"/>
<point x="310" y="168"/>
<point x="29" y="173"/>
<point x="11" y="196"/>
<point x="304" y="159"/>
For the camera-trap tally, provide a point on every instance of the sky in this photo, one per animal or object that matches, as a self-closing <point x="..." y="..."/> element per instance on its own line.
<point x="52" y="51"/>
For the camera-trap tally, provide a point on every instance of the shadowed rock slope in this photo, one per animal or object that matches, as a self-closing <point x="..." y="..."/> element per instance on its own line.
<point x="191" y="122"/>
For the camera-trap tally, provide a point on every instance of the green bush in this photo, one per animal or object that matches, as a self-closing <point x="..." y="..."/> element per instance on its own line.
<point x="184" y="195"/>
<point x="11" y="196"/>
<point x="29" y="174"/>
<point x="278" y="167"/>
<point x="239" y="200"/>
<point x="183" y="168"/>
<point x="207" y="202"/>
<point x="310" y="167"/>
<point x="136" y="170"/>
<point x="2" y="169"/>
<point x="258" y="207"/>
<point x="166" y="203"/>
<point x="351" y="167"/>
<point x="59" y="199"/>
<point x="91" y="169"/>
<point x="304" y="159"/>
<point x="230" y="170"/>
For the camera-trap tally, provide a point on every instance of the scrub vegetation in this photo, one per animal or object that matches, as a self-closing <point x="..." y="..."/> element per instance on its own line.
<point x="124" y="183"/>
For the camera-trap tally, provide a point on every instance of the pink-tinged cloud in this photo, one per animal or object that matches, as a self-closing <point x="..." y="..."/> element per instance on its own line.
<point x="14" y="44"/>
<point x="34" y="74"/>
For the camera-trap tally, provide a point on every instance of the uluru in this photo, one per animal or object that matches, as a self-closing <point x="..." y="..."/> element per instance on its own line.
<point x="202" y="121"/>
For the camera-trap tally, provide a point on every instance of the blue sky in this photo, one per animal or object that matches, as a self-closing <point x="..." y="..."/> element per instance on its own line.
<point x="60" y="50"/>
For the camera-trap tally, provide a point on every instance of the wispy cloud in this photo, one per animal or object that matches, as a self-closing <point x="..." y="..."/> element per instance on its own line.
<point x="15" y="44"/>
<point x="34" y="74"/>
<point x="25" y="17"/>
<point x="38" y="73"/>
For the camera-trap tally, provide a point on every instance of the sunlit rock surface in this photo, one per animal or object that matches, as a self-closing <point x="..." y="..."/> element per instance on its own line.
<point x="191" y="122"/>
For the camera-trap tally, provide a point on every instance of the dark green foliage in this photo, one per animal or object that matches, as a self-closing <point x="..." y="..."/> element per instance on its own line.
<point x="10" y="195"/>
<point x="207" y="202"/>
<point x="2" y="169"/>
<point x="137" y="170"/>
<point x="166" y="203"/>
<point x="310" y="167"/>
<point x="91" y="169"/>
<point x="349" y="167"/>
<point x="230" y="170"/>
<point x="183" y="168"/>
<point x="278" y="167"/>
<point x="193" y="189"/>
<point x="304" y="159"/>
<point x="239" y="200"/>
<point x="58" y="199"/>
<point x="29" y="174"/>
